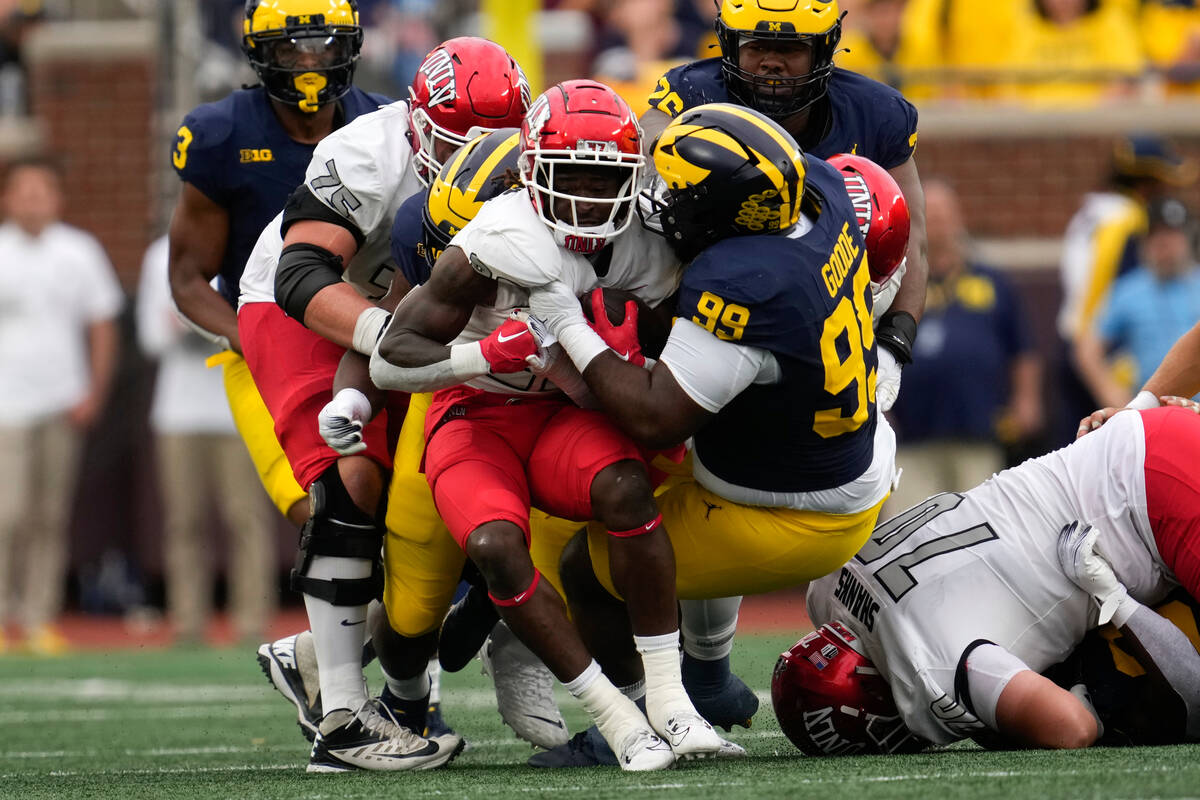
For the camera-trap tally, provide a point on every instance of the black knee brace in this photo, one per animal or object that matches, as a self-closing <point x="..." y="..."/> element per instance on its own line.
<point x="337" y="527"/>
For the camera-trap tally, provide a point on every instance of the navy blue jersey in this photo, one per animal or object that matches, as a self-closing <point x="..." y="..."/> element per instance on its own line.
<point x="869" y="118"/>
<point x="408" y="239"/>
<point x="237" y="153"/>
<point x="958" y="384"/>
<point x="807" y="299"/>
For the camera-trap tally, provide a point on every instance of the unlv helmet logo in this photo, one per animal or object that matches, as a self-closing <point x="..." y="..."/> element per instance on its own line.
<point x="860" y="198"/>
<point x="438" y="70"/>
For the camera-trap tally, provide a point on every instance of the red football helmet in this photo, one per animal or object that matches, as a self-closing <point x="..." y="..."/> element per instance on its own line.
<point x="881" y="210"/>
<point x="581" y="123"/>
<point x="464" y="87"/>
<point x="830" y="700"/>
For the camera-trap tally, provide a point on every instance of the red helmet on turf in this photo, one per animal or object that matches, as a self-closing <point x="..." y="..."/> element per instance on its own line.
<point x="464" y="87"/>
<point x="830" y="700"/>
<point x="881" y="210"/>
<point x="574" y="124"/>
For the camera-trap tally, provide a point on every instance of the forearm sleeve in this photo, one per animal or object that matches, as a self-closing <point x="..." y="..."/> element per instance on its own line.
<point x="1172" y="656"/>
<point x="466" y="361"/>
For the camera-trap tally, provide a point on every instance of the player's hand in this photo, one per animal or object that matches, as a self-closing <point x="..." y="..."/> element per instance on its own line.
<point x="557" y="306"/>
<point x="887" y="380"/>
<point x="515" y="340"/>
<point x="1089" y="570"/>
<point x="1094" y="420"/>
<point x="1181" y="402"/>
<point x="342" y="419"/>
<point x="549" y="351"/>
<point x="623" y="338"/>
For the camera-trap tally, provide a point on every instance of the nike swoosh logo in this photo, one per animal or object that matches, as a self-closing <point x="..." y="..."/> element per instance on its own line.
<point x="347" y="623"/>
<point x="555" y="722"/>
<point x="500" y="337"/>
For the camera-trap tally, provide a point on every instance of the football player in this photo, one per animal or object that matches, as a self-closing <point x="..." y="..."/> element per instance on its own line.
<point x="313" y="287"/>
<point x="418" y="550"/>
<point x="770" y="369"/>
<point x="943" y="621"/>
<point x="777" y="58"/>
<point x="500" y="437"/>
<point x="239" y="158"/>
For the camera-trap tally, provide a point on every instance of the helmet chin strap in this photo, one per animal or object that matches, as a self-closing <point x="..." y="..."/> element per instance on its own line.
<point x="584" y="240"/>
<point x="311" y="84"/>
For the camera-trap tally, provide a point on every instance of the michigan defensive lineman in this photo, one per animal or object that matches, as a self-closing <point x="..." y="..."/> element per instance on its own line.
<point x="770" y="368"/>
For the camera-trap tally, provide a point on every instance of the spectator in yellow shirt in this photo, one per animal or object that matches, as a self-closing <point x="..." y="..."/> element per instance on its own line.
<point x="895" y="42"/>
<point x="1075" y="53"/>
<point x="1171" y="38"/>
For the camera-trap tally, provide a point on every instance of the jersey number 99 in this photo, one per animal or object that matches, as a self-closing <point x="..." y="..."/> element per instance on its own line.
<point x="850" y="323"/>
<point x="723" y="320"/>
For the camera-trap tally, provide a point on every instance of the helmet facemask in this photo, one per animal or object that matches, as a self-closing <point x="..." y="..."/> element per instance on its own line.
<point x="580" y="221"/>
<point x="778" y="96"/>
<point x="305" y="67"/>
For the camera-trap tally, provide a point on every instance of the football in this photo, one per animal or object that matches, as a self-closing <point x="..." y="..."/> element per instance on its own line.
<point x="654" y="325"/>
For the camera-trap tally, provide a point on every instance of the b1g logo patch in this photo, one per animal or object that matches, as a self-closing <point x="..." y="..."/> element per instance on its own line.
<point x="252" y="155"/>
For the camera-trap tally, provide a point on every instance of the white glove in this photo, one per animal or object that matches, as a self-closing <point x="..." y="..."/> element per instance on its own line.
<point x="1092" y="573"/>
<point x="541" y="361"/>
<point x="887" y="380"/>
<point x="557" y="306"/>
<point x="884" y="293"/>
<point x="342" y="419"/>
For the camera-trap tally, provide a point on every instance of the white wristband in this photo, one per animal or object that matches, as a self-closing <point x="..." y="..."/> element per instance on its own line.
<point x="581" y="343"/>
<point x="467" y="361"/>
<point x="1143" y="401"/>
<point x="367" y="327"/>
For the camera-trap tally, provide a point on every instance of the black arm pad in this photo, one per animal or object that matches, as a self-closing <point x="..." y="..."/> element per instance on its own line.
<point x="302" y="204"/>
<point x="897" y="331"/>
<point x="304" y="269"/>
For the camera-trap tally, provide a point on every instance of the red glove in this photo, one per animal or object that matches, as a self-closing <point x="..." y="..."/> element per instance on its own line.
<point x="621" y="338"/>
<point x="507" y="347"/>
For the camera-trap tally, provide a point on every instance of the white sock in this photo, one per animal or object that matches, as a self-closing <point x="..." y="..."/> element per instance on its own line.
<point x="339" y="647"/>
<point x="634" y="691"/>
<point x="414" y="688"/>
<point x="435" y="680"/>
<point x="709" y="626"/>
<point x="664" y="683"/>
<point x="614" y="713"/>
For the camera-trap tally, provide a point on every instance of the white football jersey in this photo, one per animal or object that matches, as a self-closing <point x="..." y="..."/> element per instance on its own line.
<point x="508" y="241"/>
<point x="984" y="565"/>
<point x="363" y="171"/>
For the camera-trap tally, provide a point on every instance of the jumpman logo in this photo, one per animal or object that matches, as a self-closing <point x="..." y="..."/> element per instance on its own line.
<point x="710" y="508"/>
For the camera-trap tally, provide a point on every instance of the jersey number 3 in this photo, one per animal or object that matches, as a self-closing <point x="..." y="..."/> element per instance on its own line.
<point x="183" y="141"/>
<point x="847" y="335"/>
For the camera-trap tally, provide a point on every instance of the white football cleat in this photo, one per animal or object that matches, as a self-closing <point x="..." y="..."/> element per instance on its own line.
<point x="689" y="734"/>
<point x="371" y="739"/>
<point x="290" y="664"/>
<point x="641" y="750"/>
<point x="524" y="689"/>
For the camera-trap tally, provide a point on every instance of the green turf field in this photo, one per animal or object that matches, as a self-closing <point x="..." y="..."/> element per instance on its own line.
<point x="205" y="725"/>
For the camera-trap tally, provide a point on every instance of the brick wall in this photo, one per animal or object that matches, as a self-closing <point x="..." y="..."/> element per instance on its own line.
<point x="1023" y="174"/>
<point x="92" y="89"/>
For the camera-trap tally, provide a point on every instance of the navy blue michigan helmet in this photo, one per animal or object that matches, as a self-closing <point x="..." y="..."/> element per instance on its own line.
<point x="481" y="169"/>
<point x="304" y="51"/>
<point x="815" y="24"/>
<point x="725" y="171"/>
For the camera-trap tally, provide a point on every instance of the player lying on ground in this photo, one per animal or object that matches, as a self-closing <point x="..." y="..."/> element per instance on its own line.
<point x="938" y="629"/>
